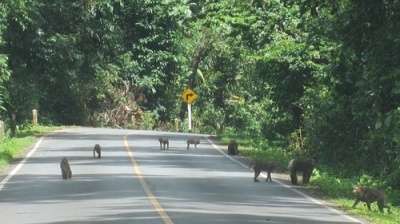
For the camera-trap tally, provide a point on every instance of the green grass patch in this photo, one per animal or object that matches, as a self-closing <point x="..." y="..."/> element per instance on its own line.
<point x="361" y="210"/>
<point x="340" y="192"/>
<point x="260" y="152"/>
<point x="13" y="147"/>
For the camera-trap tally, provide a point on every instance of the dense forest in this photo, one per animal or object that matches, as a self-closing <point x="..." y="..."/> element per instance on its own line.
<point x="311" y="77"/>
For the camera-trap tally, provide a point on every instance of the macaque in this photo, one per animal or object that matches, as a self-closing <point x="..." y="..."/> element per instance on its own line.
<point x="266" y="166"/>
<point x="370" y="195"/>
<point x="163" y="142"/>
<point x="194" y="141"/>
<point x="233" y="148"/>
<point x="305" y="166"/>
<point x="97" y="149"/>
<point x="65" y="169"/>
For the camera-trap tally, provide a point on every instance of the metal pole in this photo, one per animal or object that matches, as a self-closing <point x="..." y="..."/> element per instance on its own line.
<point x="190" y="117"/>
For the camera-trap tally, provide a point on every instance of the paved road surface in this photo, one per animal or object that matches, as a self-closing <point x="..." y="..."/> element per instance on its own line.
<point x="136" y="182"/>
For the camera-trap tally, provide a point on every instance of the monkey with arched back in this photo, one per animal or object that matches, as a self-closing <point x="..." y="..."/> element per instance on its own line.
<point x="65" y="169"/>
<point x="304" y="166"/>
<point x="233" y="148"/>
<point x="193" y="141"/>
<point x="259" y="166"/>
<point x="163" y="142"/>
<point x="97" y="149"/>
<point x="370" y="195"/>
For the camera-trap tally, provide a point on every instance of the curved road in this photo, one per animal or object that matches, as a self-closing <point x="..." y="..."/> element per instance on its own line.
<point x="136" y="182"/>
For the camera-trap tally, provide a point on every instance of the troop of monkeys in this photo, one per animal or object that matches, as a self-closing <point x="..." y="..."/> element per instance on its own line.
<point x="66" y="169"/>
<point x="365" y="194"/>
<point x="165" y="142"/>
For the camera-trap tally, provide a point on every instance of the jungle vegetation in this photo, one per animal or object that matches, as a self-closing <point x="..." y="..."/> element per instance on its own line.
<point x="305" y="77"/>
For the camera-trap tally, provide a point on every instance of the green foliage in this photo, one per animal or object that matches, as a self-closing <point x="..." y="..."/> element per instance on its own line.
<point x="211" y="119"/>
<point x="348" y="123"/>
<point x="393" y="180"/>
<point x="259" y="151"/>
<point x="309" y="78"/>
<point x="245" y="123"/>
<point x="31" y="130"/>
<point x="148" y="121"/>
<point x="331" y="186"/>
<point x="269" y="154"/>
<point x="12" y="147"/>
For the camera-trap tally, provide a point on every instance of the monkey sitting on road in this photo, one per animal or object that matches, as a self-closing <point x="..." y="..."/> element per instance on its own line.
<point x="266" y="166"/>
<point x="97" y="149"/>
<point x="163" y="142"/>
<point x="194" y="141"/>
<point x="65" y="169"/>
<point x="370" y="195"/>
<point x="233" y="148"/>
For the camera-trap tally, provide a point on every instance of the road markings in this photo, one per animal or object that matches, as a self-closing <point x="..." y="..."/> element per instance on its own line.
<point x="146" y="188"/>
<point x="15" y="170"/>
<point x="316" y="201"/>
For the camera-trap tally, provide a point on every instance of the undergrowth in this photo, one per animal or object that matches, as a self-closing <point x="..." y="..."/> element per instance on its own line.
<point x="338" y="191"/>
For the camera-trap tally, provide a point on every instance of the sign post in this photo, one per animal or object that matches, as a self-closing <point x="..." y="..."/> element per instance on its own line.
<point x="189" y="97"/>
<point x="190" y="117"/>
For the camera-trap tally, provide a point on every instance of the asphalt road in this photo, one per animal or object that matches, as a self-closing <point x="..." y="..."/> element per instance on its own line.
<point x="136" y="182"/>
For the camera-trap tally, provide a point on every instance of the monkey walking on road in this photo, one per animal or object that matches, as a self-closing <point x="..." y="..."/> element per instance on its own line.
<point x="163" y="142"/>
<point x="97" y="149"/>
<point x="259" y="166"/>
<point x="193" y="141"/>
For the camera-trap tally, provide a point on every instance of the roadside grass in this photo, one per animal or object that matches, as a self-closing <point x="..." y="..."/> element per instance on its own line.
<point x="339" y="192"/>
<point x="335" y="190"/>
<point x="13" y="147"/>
<point x="249" y="150"/>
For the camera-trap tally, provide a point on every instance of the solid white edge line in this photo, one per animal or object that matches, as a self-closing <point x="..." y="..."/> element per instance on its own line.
<point x="15" y="170"/>
<point x="316" y="201"/>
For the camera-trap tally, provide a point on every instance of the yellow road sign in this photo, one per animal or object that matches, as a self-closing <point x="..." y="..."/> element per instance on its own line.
<point x="189" y="96"/>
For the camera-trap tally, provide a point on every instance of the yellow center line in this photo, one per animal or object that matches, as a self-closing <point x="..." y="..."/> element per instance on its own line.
<point x="146" y="188"/>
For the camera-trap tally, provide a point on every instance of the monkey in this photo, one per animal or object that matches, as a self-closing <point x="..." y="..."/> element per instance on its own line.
<point x="65" y="169"/>
<point x="194" y="141"/>
<point x="163" y="142"/>
<point x="266" y="166"/>
<point x="233" y="148"/>
<point x="370" y="195"/>
<point x="305" y="166"/>
<point x="97" y="149"/>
